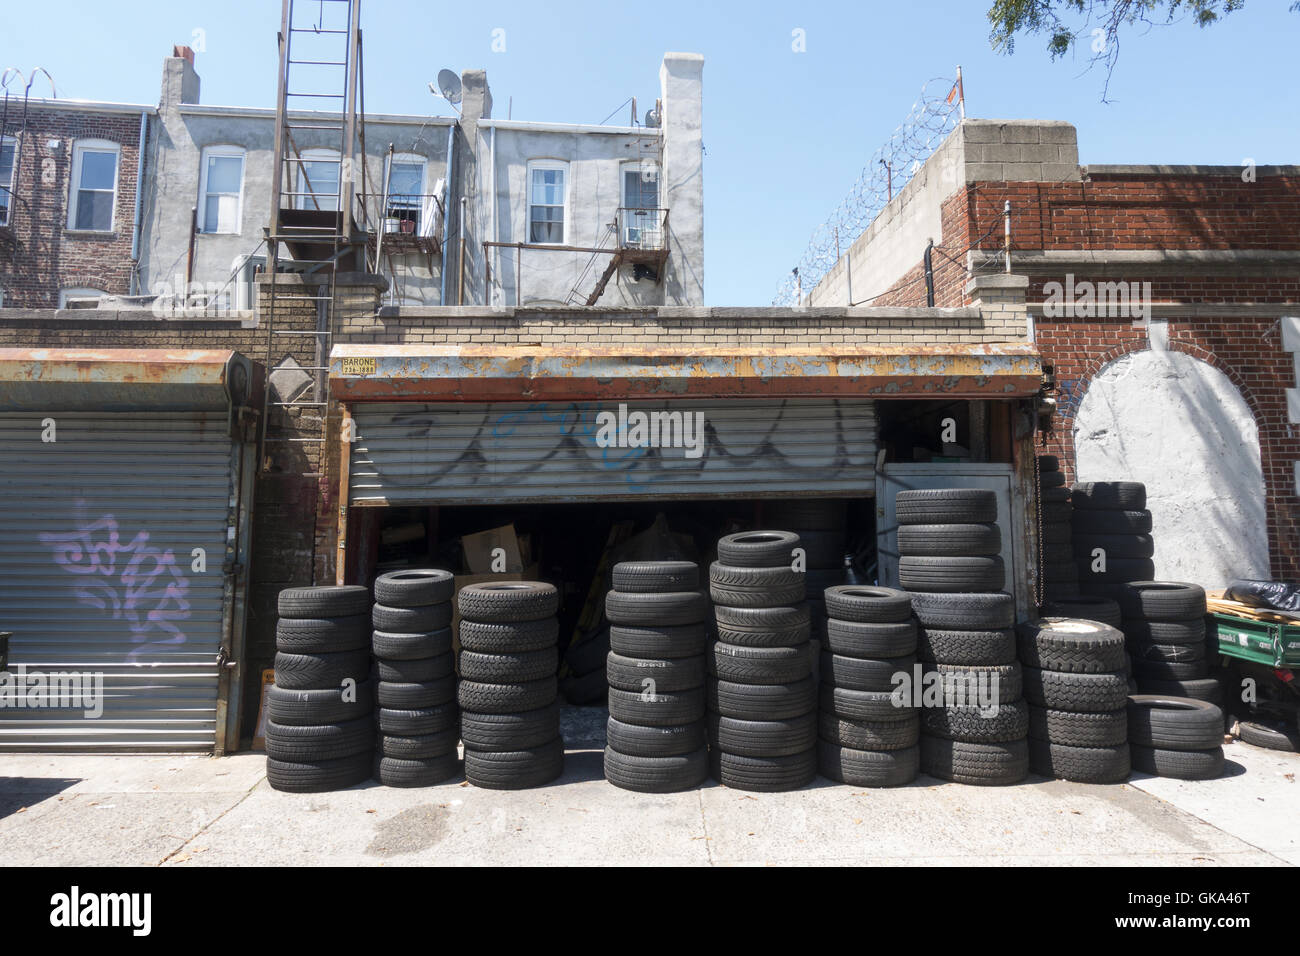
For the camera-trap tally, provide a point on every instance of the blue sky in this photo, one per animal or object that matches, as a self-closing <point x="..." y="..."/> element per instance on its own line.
<point x="786" y="133"/>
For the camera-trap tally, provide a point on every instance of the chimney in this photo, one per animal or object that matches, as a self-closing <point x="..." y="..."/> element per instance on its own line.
<point x="180" y="80"/>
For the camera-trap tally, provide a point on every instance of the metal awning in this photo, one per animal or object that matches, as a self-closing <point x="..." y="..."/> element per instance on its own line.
<point x="363" y="373"/>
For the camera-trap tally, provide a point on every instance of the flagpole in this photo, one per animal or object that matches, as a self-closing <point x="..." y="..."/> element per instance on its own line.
<point x="961" y="94"/>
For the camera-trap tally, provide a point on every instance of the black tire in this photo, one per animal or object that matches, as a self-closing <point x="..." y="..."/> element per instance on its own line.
<point x="1099" y="609"/>
<point x="501" y="733"/>
<point x="508" y="637"/>
<point x="824" y="549"/>
<point x="316" y="635"/>
<point x="864" y="705"/>
<point x="762" y="701"/>
<point x="1109" y="764"/>
<point x="783" y="596"/>
<point x="1078" y="730"/>
<point x="1169" y="670"/>
<point x="1054" y="494"/>
<point x="1058" y="532"/>
<point x="1111" y="522"/>
<point x="1179" y="764"/>
<point x="815" y="514"/>
<point x="1060" y="573"/>
<point x="294" y="743"/>
<point x="667" y="641"/>
<point x="673" y="608"/>
<point x="1269" y="736"/>
<point x="411" y="647"/>
<point x="638" y="741"/>
<point x="509" y="668"/>
<point x="416" y="695"/>
<point x="758" y="549"/>
<point x="320" y="671"/>
<point x="515" y="769"/>
<point x="869" y="734"/>
<point x="478" y="697"/>
<point x="868" y="768"/>
<point x="668" y="674"/>
<point x="1174" y="723"/>
<point x="1071" y="645"/>
<point x="1052" y="511"/>
<point x="946" y="506"/>
<point x="1143" y="651"/>
<point x="938" y="646"/>
<point x="1118" y="571"/>
<point x="949" y="540"/>
<point x="866" y="604"/>
<point x="976" y="612"/>
<point x="504" y="602"/>
<point x="985" y="765"/>
<point x="417" y="723"/>
<point x="424" y="747"/>
<point x="740" y="664"/>
<point x="763" y="738"/>
<point x="1048" y="463"/>
<point x="1077" y="693"/>
<point x="1198" y="688"/>
<point x="1109" y="495"/>
<point x="1057" y="553"/>
<point x="726" y="576"/>
<point x="970" y="724"/>
<point x="764" y="774"/>
<point x="589" y="655"/>
<point x="952" y="575"/>
<point x="764" y="626"/>
<point x="1051" y="479"/>
<point x="1162" y="600"/>
<point x="414" y="588"/>
<point x="1115" y="545"/>
<point x="322" y="602"/>
<point x="426" y="772"/>
<point x="319" y="776"/>
<point x="855" y="673"/>
<point x="411" y="620"/>
<point x="657" y="710"/>
<point x="854" y="639"/>
<point x="651" y="774"/>
<point x="1191" y="632"/>
<point x="333" y="705"/>
<point x="1007" y="678"/>
<point x="415" y="672"/>
<point x="645" y="577"/>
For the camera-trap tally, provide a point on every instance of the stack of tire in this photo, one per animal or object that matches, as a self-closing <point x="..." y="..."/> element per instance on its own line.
<point x="510" y="712"/>
<point x="417" y="717"/>
<point x="948" y="542"/>
<point x="866" y="737"/>
<point x="1176" y="736"/>
<point x="822" y="527"/>
<point x="1110" y="521"/>
<point x="1164" y="622"/>
<point x="761" y="695"/>
<point x="1060" y="574"/>
<point x="320" y="732"/>
<point x="1076" y="679"/>
<point x="655" y="738"/>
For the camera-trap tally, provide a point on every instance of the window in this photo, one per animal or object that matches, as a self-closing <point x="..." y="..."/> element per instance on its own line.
<point x="221" y="189"/>
<point x="547" y="199"/>
<point x="641" y="223"/>
<point x="8" y="149"/>
<point x="406" y="193"/>
<point x="318" y="180"/>
<point x="94" y="186"/>
<point x="68" y="297"/>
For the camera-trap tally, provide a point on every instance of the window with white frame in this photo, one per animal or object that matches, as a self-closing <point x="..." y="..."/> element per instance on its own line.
<point x="318" y="180"/>
<point x="547" y="201"/>
<point x="640" y="219"/>
<point x="221" y="189"/>
<point x="8" y="176"/>
<point x="93" y="196"/>
<point x="407" y="195"/>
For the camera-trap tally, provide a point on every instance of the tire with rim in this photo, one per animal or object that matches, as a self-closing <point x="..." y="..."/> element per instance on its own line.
<point x="1059" y="761"/>
<point x="758" y="549"/>
<point x="330" y="601"/>
<point x="314" y="635"/>
<point x="423" y="772"/>
<point x="763" y="738"/>
<point x="764" y="774"/>
<point x="946" y="506"/>
<point x="657" y="710"/>
<point x="1078" y="730"/>
<point x="508" y="601"/>
<point x="498" y="637"/>
<point x="660" y="608"/>
<point x="1174" y="723"/>
<point x="635" y="740"/>
<point x="985" y="765"/>
<point x="868" y="768"/>
<point x="641" y="577"/>
<point x="1179" y="764"/>
<point x="411" y="647"/>
<point x="320" y="671"/>
<point x="984" y="612"/>
<point x="759" y="665"/>
<point x="656" y="774"/>
<point x="666" y="641"/>
<point x="331" y="705"/>
<point x="869" y="734"/>
<point x="854" y="639"/>
<point x="939" y="646"/>
<point x="951" y="575"/>
<point x="414" y="587"/>
<point x="867" y="604"/>
<point x="667" y="674"/>
<point x="319" y="776"/>
<point x="411" y="620"/>
<point x="1077" y="693"/>
<point x="949" y="540"/>
<point x="761" y="701"/>
<point x="478" y="697"/>
<point x="504" y="732"/>
<point x="1072" y="645"/>
<point x="515" y="769"/>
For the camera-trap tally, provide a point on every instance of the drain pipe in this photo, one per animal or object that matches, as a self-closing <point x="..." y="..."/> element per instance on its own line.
<point x="446" y="206"/>
<point x="141" y="159"/>
<point x="929" y="275"/>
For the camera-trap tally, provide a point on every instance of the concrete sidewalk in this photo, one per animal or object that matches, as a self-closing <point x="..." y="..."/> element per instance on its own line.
<point x="200" y="811"/>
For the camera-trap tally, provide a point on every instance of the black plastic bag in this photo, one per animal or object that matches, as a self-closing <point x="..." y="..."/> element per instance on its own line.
<point x="1266" y="594"/>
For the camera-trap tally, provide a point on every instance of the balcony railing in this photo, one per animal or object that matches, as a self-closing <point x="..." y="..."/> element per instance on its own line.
<point x="643" y="229"/>
<point x="418" y="216"/>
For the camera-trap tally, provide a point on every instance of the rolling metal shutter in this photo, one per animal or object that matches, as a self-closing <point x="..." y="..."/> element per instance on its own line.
<point x="451" y="453"/>
<point x="97" y="538"/>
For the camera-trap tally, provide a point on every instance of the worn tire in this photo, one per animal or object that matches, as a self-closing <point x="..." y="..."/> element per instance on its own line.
<point x="293" y="743"/>
<point x="423" y="747"/>
<point x="477" y="697"/>
<point x="656" y="774"/>
<point x="764" y="626"/>
<point x="411" y="647"/>
<point x="316" y="635"/>
<point x="1162" y="600"/>
<point x="1100" y="609"/>
<point x="411" y="620"/>
<point x="658" y="710"/>
<point x="673" y="608"/>
<point x="946" y="506"/>
<point x="635" y="740"/>
<point x="1285" y="739"/>
<point x="415" y="587"/>
<point x="856" y="673"/>
<point x="938" y="646"/>
<point x="415" y="672"/>
<point x="508" y="602"/>
<point x="949" y="540"/>
<point x="1191" y="632"/>
<point x="869" y="734"/>
<point x="1009" y="722"/>
<point x="1174" y="723"/>
<point x="867" y="604"/>
<point x="1108" y="764"/>
<point x="978" y="612"/>
<point x="868" y="768"/>
<point x="315" y="707"/>
<point x="417" y="722"/>
<point x="1114" y="545"/>
<point x="668" y="674"/>
<point x="649" y="577"/>
<point x="740" y="664"/>
<point x="320" y="671"/>
<point x="984" y="765"/>
<point x="667" y="641"/>
<point x="1077" y="693"/>
<point x="1111" y="522"/>
<point x="499" y="733"/>
<point x="1078" y="730"/>
<point x="416" y="695"/>
<point x="863" y="705"/>
<point x="1179" y="764"/>
<point x="783" y="596"/>
<point x="854" y="639"/>
<point x="508" y="637"/>
<point x="1008" y="678"/>
<point x="764" y="774"/>
<point x="952" y="575"/>
<point x="319" y="776"/>
<point x="1109" y="495"/>
<point x="761" y="701"/>
<point x="758" y="549"/>
<point x="515" y="769"/>
<point x="322" y="602"/>
<point x="1198" y="688"/>
<point x="424" y="772"/>
<point x="1071" y="645"/>
<point x="727" y="576"/>
<point x="518" y="668"/>
<point x="1169" y="670"/>
<point x="763" y="738"/>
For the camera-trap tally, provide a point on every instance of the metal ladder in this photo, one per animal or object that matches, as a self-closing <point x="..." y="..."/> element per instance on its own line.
<point x="319" y="50"/>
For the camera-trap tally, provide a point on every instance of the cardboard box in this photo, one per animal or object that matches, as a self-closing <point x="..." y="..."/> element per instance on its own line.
<point x="479" y="549"/>
<point x="259" y="735"/>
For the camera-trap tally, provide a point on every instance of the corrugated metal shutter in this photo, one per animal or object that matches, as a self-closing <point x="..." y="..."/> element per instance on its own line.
<point x="97" y="533"/>
<point x="480" y="454"/>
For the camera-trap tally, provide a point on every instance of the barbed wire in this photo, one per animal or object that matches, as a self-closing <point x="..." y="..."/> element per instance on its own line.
<point x="934" y="115"/>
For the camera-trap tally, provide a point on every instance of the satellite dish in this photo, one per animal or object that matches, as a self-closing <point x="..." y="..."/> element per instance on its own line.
<point x="652" y="119"/>
<point x="449" y="84"/>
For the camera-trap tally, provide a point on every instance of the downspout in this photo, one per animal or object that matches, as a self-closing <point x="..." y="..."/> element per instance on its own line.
<point x="141" y="158"/>
<point x="496" y="225"/>
<point x="446" y="216"/>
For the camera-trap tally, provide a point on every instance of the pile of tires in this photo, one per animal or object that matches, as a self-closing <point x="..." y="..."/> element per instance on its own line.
<point x="655" y="738"/>
<point x="320" y="732"/>
<point x="1059" y="574"/>
<point x="822" y="527"/>
<point x="948" y="542"/>
<point x="417" y="716"/>
<point x="762" y="699"/>
<point x="868" y="736"/>
<point x="1077" y="684"/>
<point x="1112" y="535"/>
<point x="510" y="711"/>
<point x="1176" y="736"/>
<point x="1164" y="623"/>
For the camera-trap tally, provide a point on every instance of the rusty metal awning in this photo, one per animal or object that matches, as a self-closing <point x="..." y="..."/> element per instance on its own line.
<point x="361" y="373"/>
<point x="123" y="379"/>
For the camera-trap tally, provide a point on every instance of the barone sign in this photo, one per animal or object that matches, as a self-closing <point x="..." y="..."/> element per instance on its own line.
<point x="1096" y="300"/>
